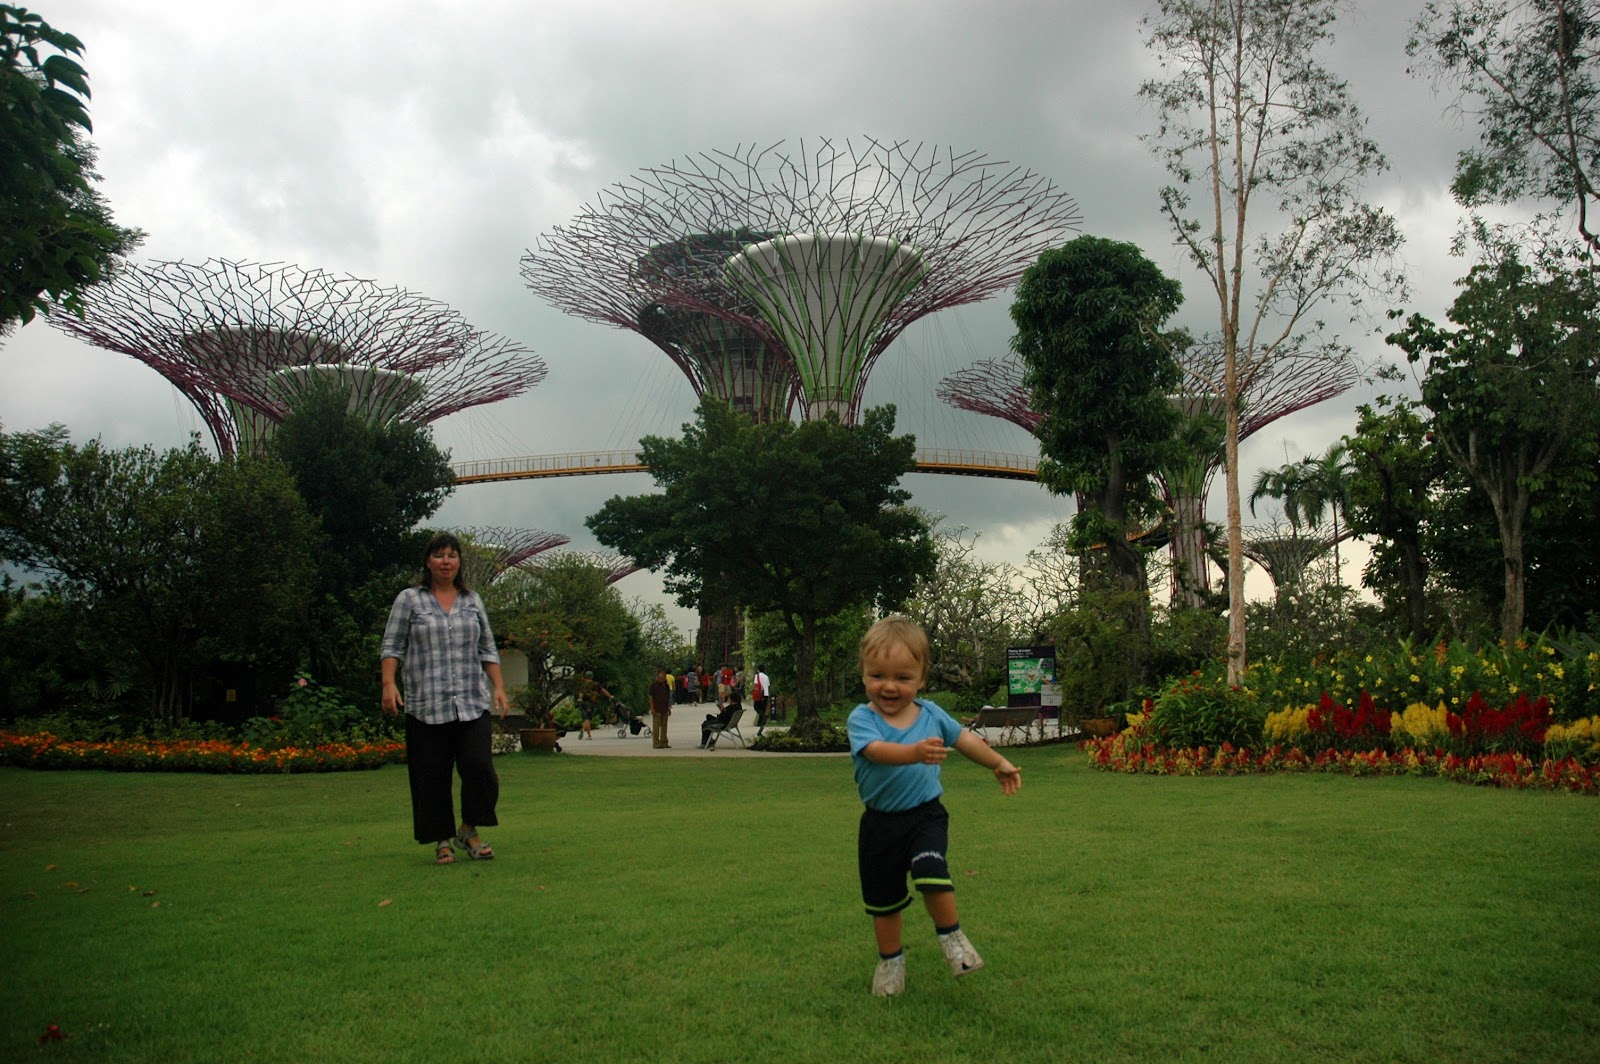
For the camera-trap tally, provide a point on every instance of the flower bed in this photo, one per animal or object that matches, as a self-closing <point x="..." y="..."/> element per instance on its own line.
<point x="1131" y="752"/>
<point x="44" y="751"/>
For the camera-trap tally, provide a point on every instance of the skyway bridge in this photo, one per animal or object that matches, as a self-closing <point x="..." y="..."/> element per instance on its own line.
<point x="591" y="463"/>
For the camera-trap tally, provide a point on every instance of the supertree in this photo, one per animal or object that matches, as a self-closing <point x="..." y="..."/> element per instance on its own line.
<point x="243" y="341"/>
<point x="1287" y="553"/>
<point x="490" y="552"/>
<point x="823" y="254"/>
<point x="1274" y="390"/>
<point x="614" y="566"/>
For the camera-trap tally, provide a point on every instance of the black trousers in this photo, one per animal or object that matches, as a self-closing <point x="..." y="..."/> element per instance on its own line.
<point x="434" y="753"/>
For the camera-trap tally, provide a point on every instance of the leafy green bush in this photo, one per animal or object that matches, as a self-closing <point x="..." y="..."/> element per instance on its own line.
<point x="1195" y="711"/>
<point x="831" y="740"/>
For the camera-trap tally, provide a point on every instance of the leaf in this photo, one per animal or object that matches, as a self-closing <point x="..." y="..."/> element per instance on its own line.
<point x="385" y="902"/>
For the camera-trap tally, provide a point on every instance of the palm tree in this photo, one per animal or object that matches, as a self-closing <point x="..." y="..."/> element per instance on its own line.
<point x="1307" y="489"/>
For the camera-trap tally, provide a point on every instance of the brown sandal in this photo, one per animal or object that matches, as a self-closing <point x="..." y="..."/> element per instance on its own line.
<point x="443" y="854"/>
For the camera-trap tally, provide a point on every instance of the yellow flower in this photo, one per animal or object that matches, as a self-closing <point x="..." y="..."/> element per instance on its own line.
<point x="1415" y="678"/>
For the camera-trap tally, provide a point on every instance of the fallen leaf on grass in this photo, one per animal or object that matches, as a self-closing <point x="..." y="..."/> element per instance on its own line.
<point x="972" y="871"/>
<point x="49" y="868"/>
<point x="155" y="905"/>
<point x="69" y="883"/>
<point x="384" y="902"/>
<point x="149" y="893"/>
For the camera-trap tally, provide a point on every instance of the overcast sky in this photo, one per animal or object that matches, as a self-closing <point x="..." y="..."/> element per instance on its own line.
<point x="427" y="145"/>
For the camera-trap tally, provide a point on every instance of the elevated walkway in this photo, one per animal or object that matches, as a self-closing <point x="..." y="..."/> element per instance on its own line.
<point x="593" y="463"/>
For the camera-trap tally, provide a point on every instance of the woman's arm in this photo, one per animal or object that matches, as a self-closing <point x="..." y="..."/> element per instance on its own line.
<point x="491" y="669"/>
<point x="392" y="702"/>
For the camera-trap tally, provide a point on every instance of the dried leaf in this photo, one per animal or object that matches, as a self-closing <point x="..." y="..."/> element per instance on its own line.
<point x="149" y="893"/>
<point x="384" y="902"/>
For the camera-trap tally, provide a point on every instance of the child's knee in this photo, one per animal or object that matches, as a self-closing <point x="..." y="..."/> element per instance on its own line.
<point x="930" y="872"/>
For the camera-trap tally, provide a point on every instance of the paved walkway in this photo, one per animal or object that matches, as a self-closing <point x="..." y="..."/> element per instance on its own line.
<point x="683" y="733"/>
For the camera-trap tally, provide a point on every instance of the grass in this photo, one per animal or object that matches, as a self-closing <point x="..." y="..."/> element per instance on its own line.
<point x="707" y="910"/>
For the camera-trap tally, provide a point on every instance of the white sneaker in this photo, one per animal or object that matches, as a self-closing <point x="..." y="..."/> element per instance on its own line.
<point x="959" y="954"/>
<point x="890" y="978"/>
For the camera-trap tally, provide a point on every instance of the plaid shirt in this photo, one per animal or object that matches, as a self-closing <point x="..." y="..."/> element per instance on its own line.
<point x="443" y="654"/>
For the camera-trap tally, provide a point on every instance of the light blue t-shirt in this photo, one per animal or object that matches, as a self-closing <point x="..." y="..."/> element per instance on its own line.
<point x="893" y="788"/>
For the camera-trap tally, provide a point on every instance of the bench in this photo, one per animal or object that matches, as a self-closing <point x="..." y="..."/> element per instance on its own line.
<point x="1012" y="722"/>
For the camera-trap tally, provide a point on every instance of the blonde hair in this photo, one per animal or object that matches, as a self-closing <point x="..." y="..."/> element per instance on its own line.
<point x="897" y="630"/>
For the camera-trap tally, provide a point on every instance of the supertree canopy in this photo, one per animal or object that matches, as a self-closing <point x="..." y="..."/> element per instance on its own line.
<point x="244" y="341"/>
<point x="721" y="358"/>
<point x="993" y="387"/>
<point x="840" y="246"/>
<point x="490" y="552"/>
<point x="613" y="565"/>
<point x="1274" y="390"/>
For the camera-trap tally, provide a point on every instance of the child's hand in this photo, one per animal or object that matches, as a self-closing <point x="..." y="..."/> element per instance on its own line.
<point x="931" y="751"/>
<point x="1010" y="777"/>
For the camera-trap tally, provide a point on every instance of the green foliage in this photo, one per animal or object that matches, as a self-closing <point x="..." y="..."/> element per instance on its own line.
<point x="1185" y="639"/>
<point x="161" y="549"/>
<point x="839" y="531"/>
<point x="56" y="233"/>
<point x="971" y="610"/>
<point x="568" y="620"/>
<point x="1100" y="658"/>
<point x="1099" y="369"/>
<point x="1198" y="710"/>
<point x="836" y="670"/>
<point x="1529" y="69"/>
<point x="1513" y="388"/>
<point x="314" y="713"/>
<point x="1393" y="468"/>
<point x="830" y="739"/>
<point x="369" y="485"/>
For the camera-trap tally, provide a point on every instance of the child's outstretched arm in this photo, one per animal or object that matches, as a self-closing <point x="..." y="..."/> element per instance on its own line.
<point x="975" y="749"/>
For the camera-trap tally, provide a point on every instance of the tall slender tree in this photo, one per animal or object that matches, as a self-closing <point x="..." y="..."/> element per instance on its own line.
<point x="1268" y="150"/>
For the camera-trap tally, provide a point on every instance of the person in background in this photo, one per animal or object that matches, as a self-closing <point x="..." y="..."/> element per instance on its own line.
<point x="691" y="682"/>
<point x="660" y="709"/>
<point x="438" y="632"/>
<point x="760" y="697"/>
<point x="590" y="692"/>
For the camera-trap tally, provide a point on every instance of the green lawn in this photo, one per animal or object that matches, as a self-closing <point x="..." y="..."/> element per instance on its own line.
<point x="707" y="910"/>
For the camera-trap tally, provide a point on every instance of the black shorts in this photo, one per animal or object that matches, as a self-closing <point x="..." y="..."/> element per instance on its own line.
<point x="891" y="845"/>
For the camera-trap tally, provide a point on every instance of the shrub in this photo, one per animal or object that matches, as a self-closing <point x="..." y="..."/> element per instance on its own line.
<point x="830" y="740"/>
<point x="1194" y="711"/>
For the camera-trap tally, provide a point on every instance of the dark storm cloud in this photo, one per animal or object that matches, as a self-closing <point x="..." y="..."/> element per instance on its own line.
<point x="428" y="145"/>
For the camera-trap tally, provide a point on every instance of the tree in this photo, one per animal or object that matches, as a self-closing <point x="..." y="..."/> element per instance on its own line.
<point x="1393" y="468"/>
<point x="569" y="621"/>
<point x="190" y="561"/>
<point x="971" y="610"/>
<point x="1529" y="69"/>
<point x="1274" y="144"/>
<point x="370" y="484"/>
<point x="1513" y="387"/>
<point x="1101" y="373"/>
<point x="56" y="233"/>
<point x="831" y="528"/>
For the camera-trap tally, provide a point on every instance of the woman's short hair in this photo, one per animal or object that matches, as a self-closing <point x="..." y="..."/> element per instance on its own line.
<point x="438" y="543"/>
<point x="897" y="630"/>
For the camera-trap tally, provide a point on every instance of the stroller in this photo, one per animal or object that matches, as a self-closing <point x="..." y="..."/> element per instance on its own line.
<point x="628" y="722"/>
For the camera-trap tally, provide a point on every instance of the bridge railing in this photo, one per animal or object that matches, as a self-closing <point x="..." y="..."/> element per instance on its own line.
<point x="579" y="463"/>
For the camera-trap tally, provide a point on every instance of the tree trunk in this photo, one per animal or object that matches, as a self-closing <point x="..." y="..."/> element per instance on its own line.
<point x="1414" y="575"/>
<point x="806" y="720"/>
